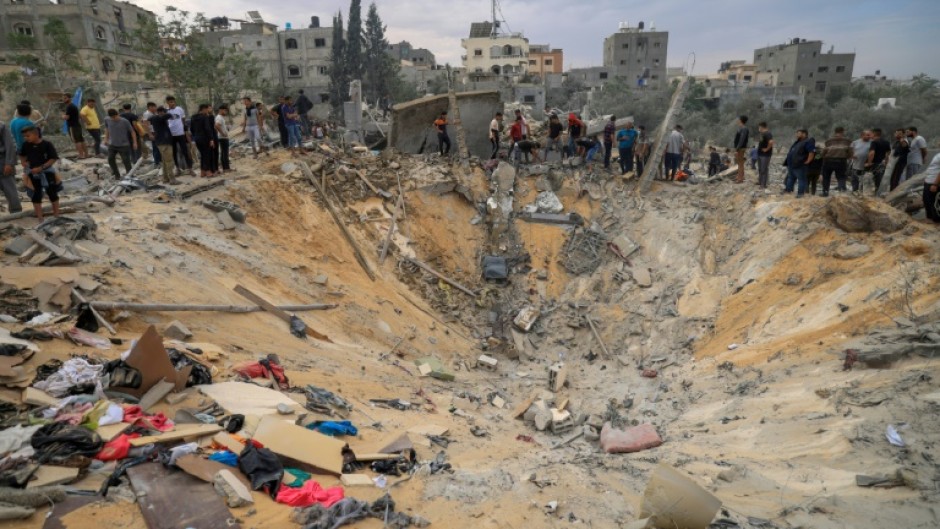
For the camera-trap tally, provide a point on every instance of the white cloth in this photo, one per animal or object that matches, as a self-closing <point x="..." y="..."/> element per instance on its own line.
<point x="221" y="126"/>
<point x="176" y="123"/>
<point x="932" y="170"/>
<point x="74" y="372"/>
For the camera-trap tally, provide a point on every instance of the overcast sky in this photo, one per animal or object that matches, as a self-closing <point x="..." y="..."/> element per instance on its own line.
<point x="897" y="37"/>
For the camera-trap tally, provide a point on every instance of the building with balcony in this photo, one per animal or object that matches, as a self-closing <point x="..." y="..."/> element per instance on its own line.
<point x="637" y="55"/>
<point x="544" y="60"/>
<point x="803" y="63"/>
<point x="100" y="30"/>
<point x="490" y="54"/>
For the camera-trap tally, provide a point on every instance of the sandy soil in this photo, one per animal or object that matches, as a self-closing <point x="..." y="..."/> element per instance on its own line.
<point x="768" y="426"/>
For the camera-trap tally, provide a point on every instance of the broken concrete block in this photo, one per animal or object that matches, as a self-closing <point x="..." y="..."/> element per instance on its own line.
<point x="853" y="251"/>
<point x="557" y="374"/>
<point x="548" y="202"/>
<point x="177" y="331"/>
<point x="164" y="223"/>
<point x="19" y="245"/>
<point x="526" y="318"/>
<point x="498" y="402"/>
<point x="356" y="480"/>
<point x="425" y="370"/>
<point x="230" y="487"/>
<point x="634" y="439"/>
<point x="487" y="362"/>
<point x="642" y="277"/>
<point x="228" y="223"/>
<point x="437" y="369"/>
<point x="542" y="420"/>
<point x="534" y="409"/>
<point x="321" y="279"/>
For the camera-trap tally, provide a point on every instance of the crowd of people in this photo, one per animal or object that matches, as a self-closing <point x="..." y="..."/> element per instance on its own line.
<point x="569" y="140"/>
<point x="164" y="134"/>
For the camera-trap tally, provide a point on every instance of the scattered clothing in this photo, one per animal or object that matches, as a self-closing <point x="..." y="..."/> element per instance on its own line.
<point x="310" y="493"/>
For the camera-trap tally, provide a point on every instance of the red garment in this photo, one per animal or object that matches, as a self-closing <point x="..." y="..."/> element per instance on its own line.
<point x="136" y="416"/>
<point x="311" y="492"/>
<point x="116" y="448"/>
<point x="256" y="370"/>
<point x="515" y="131"/>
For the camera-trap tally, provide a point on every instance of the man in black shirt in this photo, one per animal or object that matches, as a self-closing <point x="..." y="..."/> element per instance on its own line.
<point x="765" y="151"/>
<point x="879" y="150"/>
<point x="134" y="120"/>
<point x="74" y="123"/>
<point x="163" y="141"/>
<point x="202" y="126"/>
<point x="37" y="157"/>
<point x="899" y="152"/>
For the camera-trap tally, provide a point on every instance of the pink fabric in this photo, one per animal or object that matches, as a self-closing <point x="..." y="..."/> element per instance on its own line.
<point x="310" y="493"/>
<point x="135" y="416"/>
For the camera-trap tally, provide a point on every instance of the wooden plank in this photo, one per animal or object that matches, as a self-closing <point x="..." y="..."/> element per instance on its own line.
<point x="442" y="277"/>
<point x="360" y="258"/>
<point x="47" y="475"/>
<point x="181" y="432"/>
<point x="170" y="307"/>
<point x="270" y="308"/>
<point x="174" y="499"/>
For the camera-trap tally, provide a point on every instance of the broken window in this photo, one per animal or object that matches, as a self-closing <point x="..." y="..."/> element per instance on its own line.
<point x="531" y="62"/>
<point x="528" y="99"/>
<point x="293" y="71"/>
<point x="771" y="54"/>
<point x="319" y="43"/>
<point x="760" y="56"/>
<point x="810" y="75"/>
<point x="478" y="52"/>
<point x="107" y="64"/>
<point x="657" y="44"/>
<point x="789" y="104"/>
<point x="100" y="34"/>
<point x="323" y="70"/>
<point x="258" y="43"/>
<point x="23" y="29"/>
<point x="602" y="75"/>
<point x="823" y="69"/>
<point x="119" y="17"/>
<point x="626" y="46"/>
<point x="290" y="44"/>
<point x="623" y="62"/>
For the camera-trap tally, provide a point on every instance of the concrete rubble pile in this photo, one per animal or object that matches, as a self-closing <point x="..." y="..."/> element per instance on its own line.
<point x="465" y="323"/>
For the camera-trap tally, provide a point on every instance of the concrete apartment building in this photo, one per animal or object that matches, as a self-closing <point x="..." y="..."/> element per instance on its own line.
<point x="404" y="51"/>
<point x="490" y="54"/>
<point x="101" y="30"/>
<point x="544" y="60"/>
<point x="802" y="63"/>
<point x="292" y="59"/>
<point x="637" y="55"/>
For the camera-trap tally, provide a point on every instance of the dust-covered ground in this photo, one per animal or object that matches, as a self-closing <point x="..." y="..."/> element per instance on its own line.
<point x="752" y="300"/>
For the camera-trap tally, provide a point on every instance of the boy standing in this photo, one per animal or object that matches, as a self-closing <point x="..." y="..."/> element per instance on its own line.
<point x="37" y="157"/>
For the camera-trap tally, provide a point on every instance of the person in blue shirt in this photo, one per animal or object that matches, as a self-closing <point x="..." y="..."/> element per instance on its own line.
<point x="626" y="139"/>
<point x="20" y="122"/>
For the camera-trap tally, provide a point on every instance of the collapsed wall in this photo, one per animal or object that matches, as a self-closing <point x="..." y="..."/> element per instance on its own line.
<point x="412" y="130"/>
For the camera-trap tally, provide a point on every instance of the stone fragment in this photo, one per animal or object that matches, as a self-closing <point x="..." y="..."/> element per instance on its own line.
<point x="634" y="439"/>
<point x="230" y="487"/>
<point x="853" y="251"/>
<point x="177" y="331"/>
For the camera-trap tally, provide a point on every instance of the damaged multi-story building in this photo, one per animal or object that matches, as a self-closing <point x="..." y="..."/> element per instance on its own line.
<point x="635" y="55"/>
<point x="101" y="32"/>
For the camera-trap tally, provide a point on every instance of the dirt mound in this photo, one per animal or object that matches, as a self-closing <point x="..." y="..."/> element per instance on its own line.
<point x="864" y="216"/>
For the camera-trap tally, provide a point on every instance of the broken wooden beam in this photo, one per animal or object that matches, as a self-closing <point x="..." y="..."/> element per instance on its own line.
<point x="270" y="308"/>
<point x="101" y="320"/>
<point x="381" y="192"/>
<point x="597" y="335"/>
<point x="441" y="276"/>
<point x="57" y="250"/>
<point x="339" y="222"/>
<point x="391" y="229"/>
<point x="659" y="144"/>
<point x="108" y="201"/>
<point x="169" y="307"/>
<point x="571" y="219"/>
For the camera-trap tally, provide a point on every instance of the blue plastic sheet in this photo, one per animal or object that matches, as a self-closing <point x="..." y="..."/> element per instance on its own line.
<point x="334" y="428"/>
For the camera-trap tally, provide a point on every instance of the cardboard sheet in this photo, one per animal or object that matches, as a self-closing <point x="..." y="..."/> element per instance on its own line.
<point x="299" y="444"/>
<point x="153" y="362"/>
<point x="247" y="399"/>
<point x="26" y="277"/>
<point x="182" y="431"/>
<point x="674" y="501"/>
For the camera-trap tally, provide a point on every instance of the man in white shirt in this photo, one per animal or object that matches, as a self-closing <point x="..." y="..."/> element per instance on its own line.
<point x="180" y="138"/>
<point x="496" y="127"/>
<point x="918" y="152"/>
<point x="931" y="188"/>
<point x="675" y="144"/>
<point x="221" y="127"/>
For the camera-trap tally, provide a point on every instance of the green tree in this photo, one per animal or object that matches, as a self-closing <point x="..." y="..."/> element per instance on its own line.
<point x="53" y="57"/>
<point x="354" y="43"/>
<point x="381" y="70"/>
<point x="190" y="67"/>
<point x="339" y="77"/>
